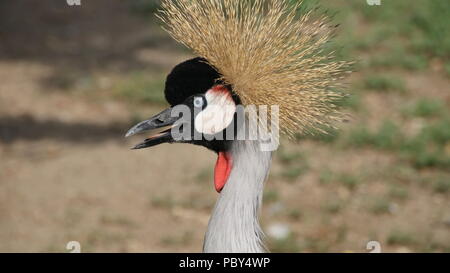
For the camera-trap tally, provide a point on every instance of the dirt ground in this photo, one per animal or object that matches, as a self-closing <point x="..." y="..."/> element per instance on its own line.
<point x="67" y="173"/>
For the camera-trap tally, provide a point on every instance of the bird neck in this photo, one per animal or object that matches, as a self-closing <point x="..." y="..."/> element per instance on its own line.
<point x="234" y="225"/>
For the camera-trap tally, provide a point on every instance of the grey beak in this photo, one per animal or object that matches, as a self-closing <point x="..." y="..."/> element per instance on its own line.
<point x="159" y="128"/>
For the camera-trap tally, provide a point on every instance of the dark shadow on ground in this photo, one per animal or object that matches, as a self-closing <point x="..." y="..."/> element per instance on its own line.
<point x="77" y="40"/>
<point x="27" y="128"/>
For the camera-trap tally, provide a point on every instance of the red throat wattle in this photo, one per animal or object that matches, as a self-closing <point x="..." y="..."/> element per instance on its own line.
<point x="222" y="170"/>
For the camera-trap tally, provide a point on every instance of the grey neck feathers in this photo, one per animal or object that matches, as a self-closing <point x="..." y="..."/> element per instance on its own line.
<point x="234" y="225"/>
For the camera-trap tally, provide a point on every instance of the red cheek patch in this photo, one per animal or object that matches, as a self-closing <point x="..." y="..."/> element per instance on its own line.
<point x="222" y="170"/>
<point x="221" y="89"/>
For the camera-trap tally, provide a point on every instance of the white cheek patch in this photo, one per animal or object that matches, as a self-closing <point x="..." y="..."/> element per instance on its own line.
<point x="218" y="114"/>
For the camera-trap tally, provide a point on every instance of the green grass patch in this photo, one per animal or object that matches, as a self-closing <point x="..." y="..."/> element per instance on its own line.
<point x="382" y="82"/>
<point x="289" y="158"/>
<point x="388" y="11"/>
<point x="294" y="164"/>
<point x="295" y="214"/>
<point x="288" y="245"/>
<point x="179" y="240"/>
<point x="328" y="135"/>
<point x="427" y="157"/>
<point x="316" y="245"/>
<point x="422" y="28"/>
<point x="380" y="206"/>
<point x="359" y="136"/>
<point x="142" y="88"/>
<point x="144" y="7"/>
<point x="396" y="34"/>
<point x="117" y="221"/>
<point x="447" y="69"/>
<point x="333" y="206"/>
<point x="398" y="192"/>
<point x="204" y="175"/>
<point x="442" y="185"/>
<point x="428" y="148"/>
<point x="271" y="196"/>
<point x="388" y="136"/>
<point x="166" y="202"/>
<point x="326" y="177"/>
<point x="397" y="237"/>
<point x="432" y="21"/>
<point x="426" y="108"/>
<point x="352" y="102"/>
<point x="292" y="173"/>
<point x="403" y="173"/>
<point x="398" y="58"/>
<point x="349" y="181"/>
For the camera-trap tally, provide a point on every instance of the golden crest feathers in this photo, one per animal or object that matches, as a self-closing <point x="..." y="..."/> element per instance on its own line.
<point x="268" y="53"/>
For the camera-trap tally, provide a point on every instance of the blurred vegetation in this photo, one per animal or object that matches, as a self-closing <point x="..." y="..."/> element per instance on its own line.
<point x="139" y="87"/>
<point x="391" y="44"/>
<point x="400" y="36"/>
<point x="145" y="7"/>
<point x="396" y="36"/>
<point x="383" y="175"/>
<point x="383" y="83"/>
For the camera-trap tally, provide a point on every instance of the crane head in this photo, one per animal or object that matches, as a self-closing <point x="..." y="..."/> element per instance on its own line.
<point x="202" y="112"/>
<point x="201" y="109"/>
<point x="254" y="53"/>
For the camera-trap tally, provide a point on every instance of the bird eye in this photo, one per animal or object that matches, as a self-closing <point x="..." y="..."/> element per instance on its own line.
<point x="198" y="102"/>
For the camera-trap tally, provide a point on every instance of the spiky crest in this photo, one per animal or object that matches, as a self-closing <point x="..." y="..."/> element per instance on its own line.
<point x="267" y="52"/>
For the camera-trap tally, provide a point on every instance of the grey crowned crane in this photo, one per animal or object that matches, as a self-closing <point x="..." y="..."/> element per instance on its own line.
<point x="259" y="53"/>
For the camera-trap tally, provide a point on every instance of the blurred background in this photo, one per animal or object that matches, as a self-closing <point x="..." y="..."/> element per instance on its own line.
<point x="73" y="79"/>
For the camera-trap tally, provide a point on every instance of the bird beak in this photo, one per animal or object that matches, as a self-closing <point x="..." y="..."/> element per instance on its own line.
<point x="158" y="127"/>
